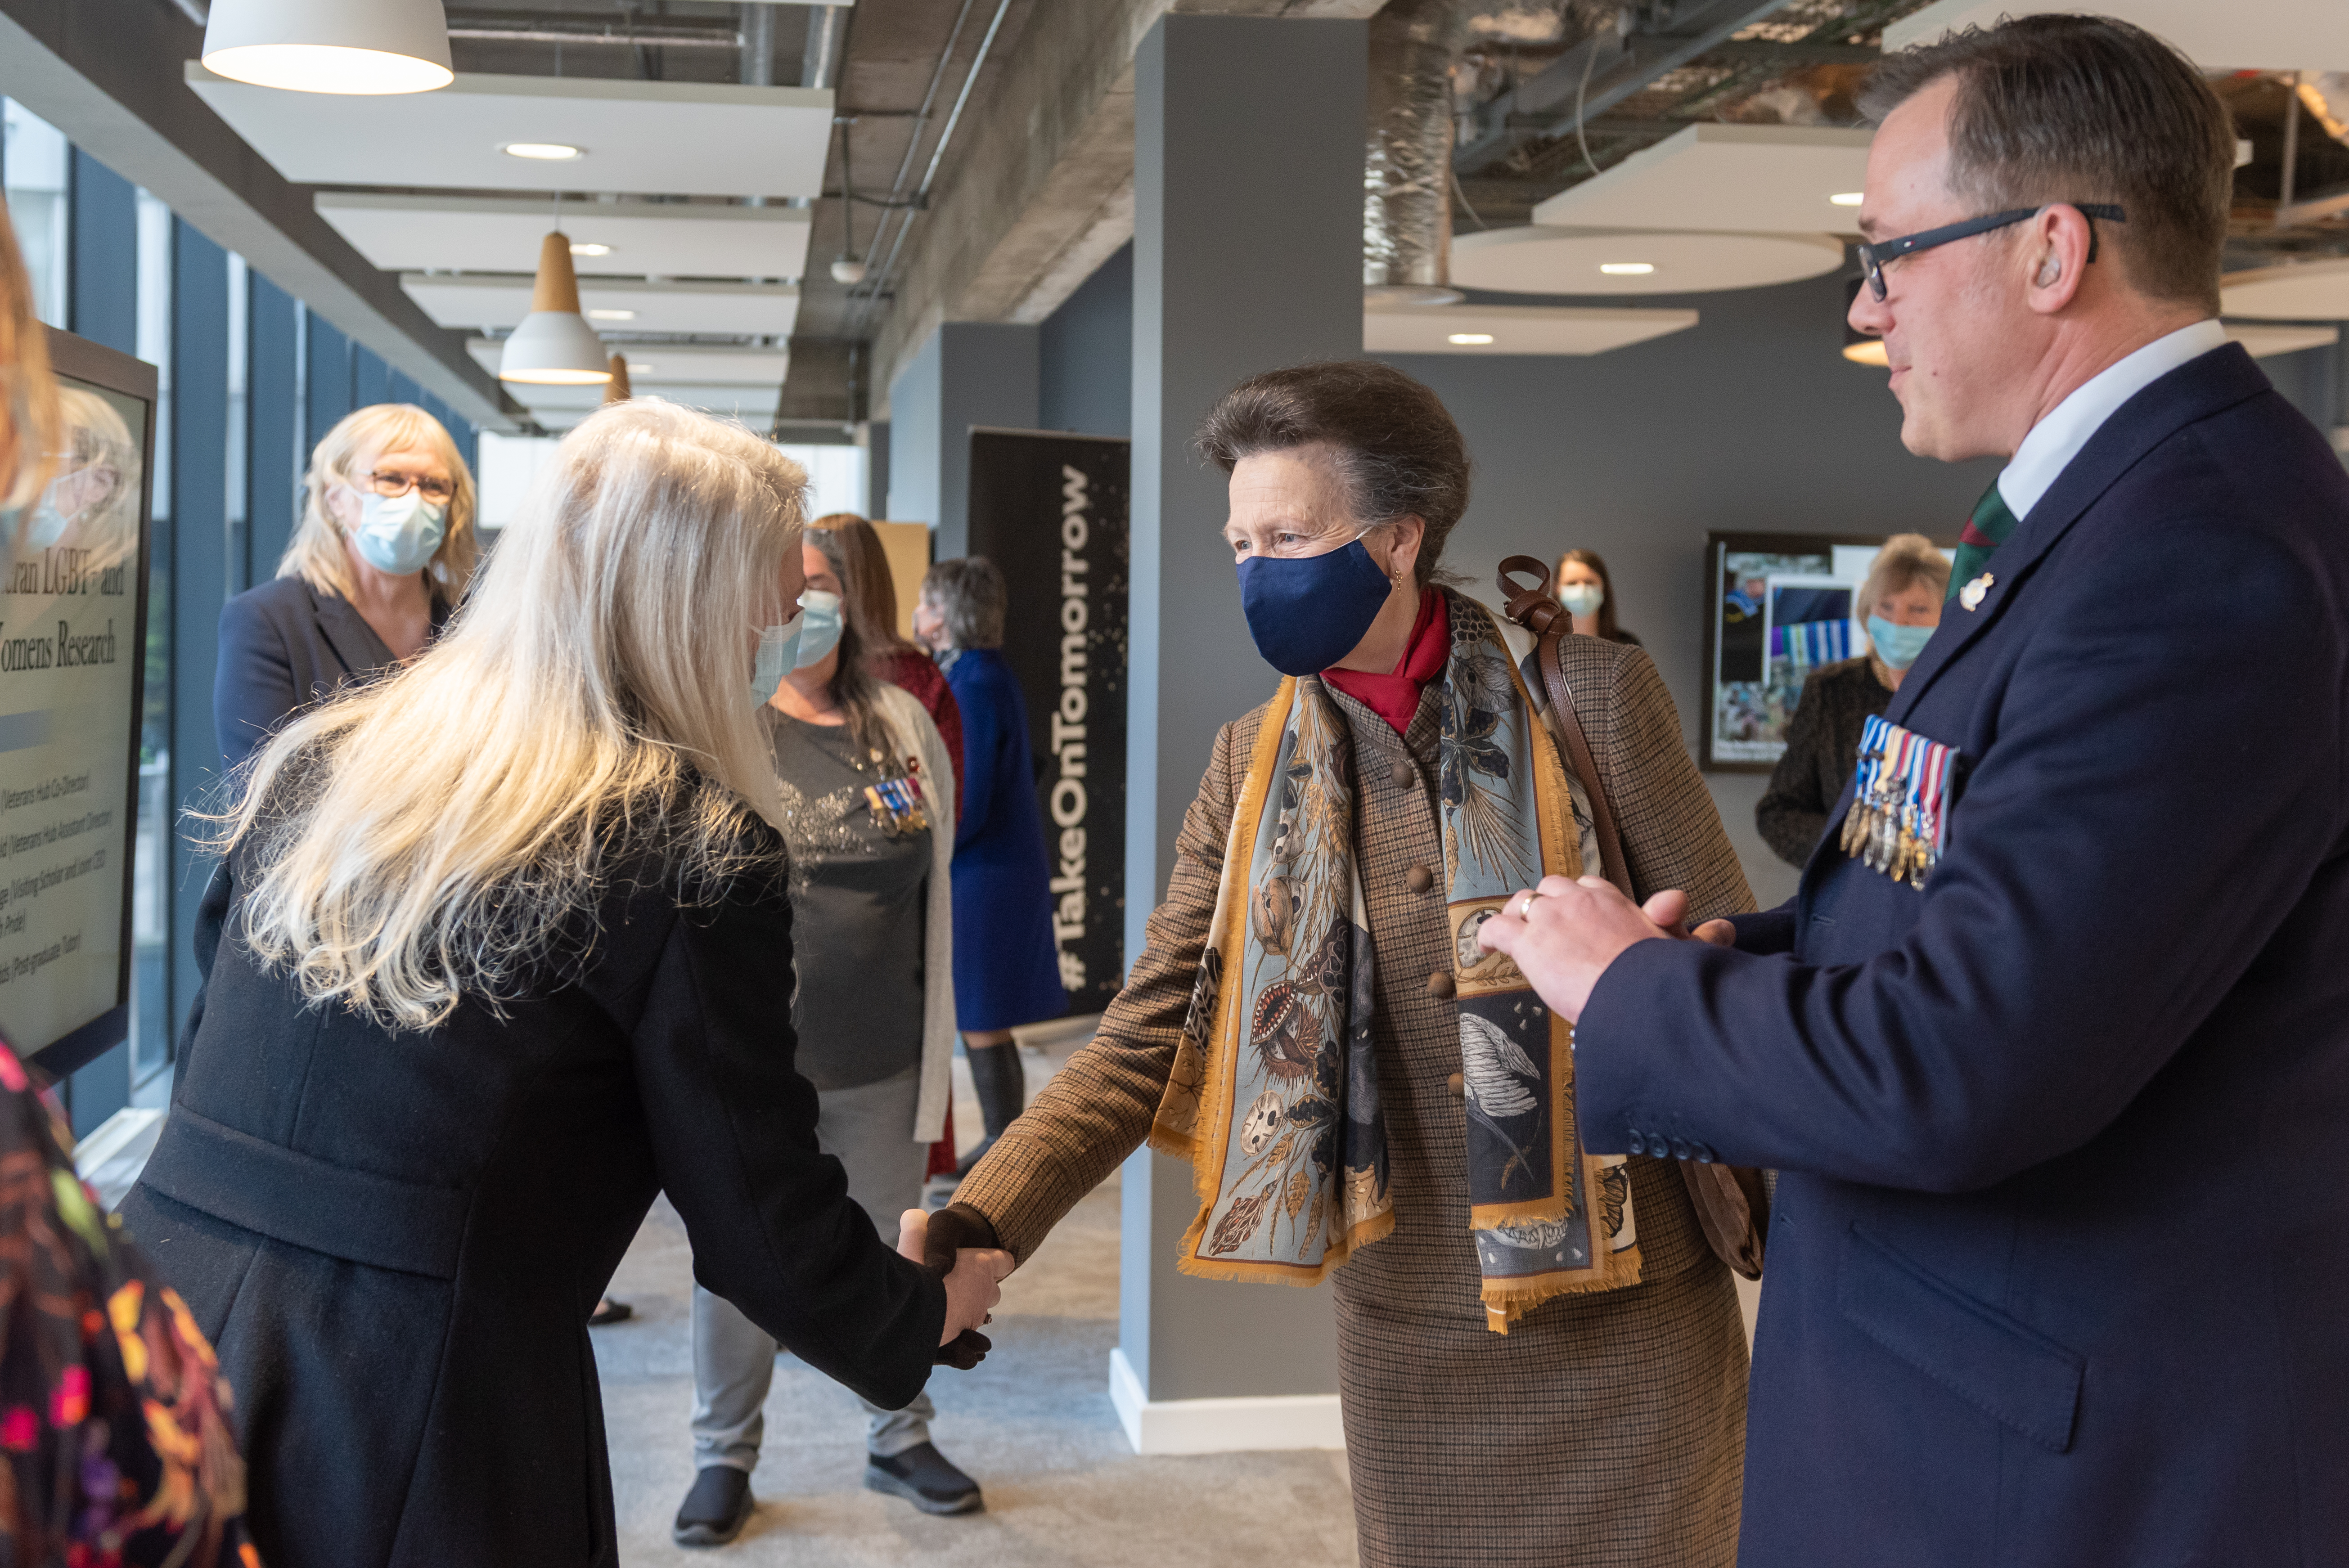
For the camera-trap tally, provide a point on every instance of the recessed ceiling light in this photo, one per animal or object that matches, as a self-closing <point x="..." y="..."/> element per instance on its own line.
<point x="637" y="369"/>
<point x="1469" y="339"/>
<point x="1627" y="269"/>
<point x="1847" y="198"/>
<point x="590" y="249"/>
<point x="544" y="151"/>
<point x="611" y="315"/>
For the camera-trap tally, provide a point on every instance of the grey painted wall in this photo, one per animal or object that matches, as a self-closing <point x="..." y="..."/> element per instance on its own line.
<point x="967" y="374"/>
<point x="1240" y="261"/>
<point x="1087" y="353"/>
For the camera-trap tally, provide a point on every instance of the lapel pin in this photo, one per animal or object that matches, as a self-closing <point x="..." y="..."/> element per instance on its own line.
<point x="1973" y="592"/>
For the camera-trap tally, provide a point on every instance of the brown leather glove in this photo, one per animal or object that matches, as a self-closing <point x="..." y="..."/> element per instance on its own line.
<point x="956" y="1226"/>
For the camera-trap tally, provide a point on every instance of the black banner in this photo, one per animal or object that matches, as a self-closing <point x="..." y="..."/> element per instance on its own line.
<point x="1049" y="510"/>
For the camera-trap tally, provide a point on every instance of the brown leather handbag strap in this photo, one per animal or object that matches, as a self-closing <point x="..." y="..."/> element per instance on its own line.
<point x="1536" y="610"/>
<point x="1732" y="1202"/>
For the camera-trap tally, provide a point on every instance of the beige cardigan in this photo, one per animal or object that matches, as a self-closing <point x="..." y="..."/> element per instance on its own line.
<point x="917" y="736"/>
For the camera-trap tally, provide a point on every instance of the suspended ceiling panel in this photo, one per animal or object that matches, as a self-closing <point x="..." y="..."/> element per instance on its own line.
<point x="658" y="239"/>
<point x="1756" y="179"/>
<point x="1513" y="329"/>
<point x="1538" y="259"/>
<point x="2217" y="34"/>
<point x="2262" y="340"/>
<point x="614" y="304"/>
<point x="2305" y="291"/>
<point x="653" y="366"/>
<point x="690" y="139"/>
<point x="560" y="408"/>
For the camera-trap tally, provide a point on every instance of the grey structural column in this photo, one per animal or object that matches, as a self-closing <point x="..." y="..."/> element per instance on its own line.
<point x="1246" y="256"/>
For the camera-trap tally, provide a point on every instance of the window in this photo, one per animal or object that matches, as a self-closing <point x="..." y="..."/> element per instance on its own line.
<point x="33" y="156"/>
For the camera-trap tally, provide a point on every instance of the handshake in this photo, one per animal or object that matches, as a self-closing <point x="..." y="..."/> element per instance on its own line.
<point x="958" y="1244"/>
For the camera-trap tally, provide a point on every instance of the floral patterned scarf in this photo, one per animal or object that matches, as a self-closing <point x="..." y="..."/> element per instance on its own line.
<point x="1274" y="1098"/>
<point x="115" y="1446"/>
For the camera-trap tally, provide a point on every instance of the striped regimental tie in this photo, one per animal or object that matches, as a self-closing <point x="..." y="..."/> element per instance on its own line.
<point x="1984" y="531"/>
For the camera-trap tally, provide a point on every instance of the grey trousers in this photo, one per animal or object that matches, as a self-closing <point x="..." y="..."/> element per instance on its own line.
<point x="870" y="1130"/>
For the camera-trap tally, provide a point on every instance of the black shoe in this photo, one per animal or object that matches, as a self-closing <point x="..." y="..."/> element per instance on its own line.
<point x="715" y="1510"/>
<point x="609" y="1311"/>
<point x="925" y="1477"/>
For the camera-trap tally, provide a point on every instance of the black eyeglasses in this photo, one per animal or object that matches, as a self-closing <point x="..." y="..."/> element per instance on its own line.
<point x="1874" y="258"/>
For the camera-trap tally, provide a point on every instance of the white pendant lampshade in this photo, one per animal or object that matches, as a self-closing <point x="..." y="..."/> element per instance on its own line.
<point x="554" y="346"/>
<point x="366" y="46"/>
<point x="616" y="391"/>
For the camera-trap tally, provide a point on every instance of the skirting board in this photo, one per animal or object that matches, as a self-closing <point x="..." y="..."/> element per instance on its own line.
<point x="1220" y="1426"/>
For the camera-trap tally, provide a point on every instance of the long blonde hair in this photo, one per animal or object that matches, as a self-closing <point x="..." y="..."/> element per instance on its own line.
<point x="29" y="393"/>
<point x="314" y="553"/>
<point x="444" y="831"/>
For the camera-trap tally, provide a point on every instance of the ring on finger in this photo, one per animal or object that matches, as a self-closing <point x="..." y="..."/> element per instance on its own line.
<point x="1525" y="905"/>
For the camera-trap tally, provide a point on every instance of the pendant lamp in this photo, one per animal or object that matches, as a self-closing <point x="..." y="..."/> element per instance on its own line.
<point x="617" y="390"/>
<point x="366" y="46"/>
<point x="554" y="346"/>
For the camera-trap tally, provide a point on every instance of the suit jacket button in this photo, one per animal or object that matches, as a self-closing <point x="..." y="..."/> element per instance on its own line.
<point x="1638" y="1143"/>
<point x="1456" y="1085"/>
<point x="1681" y="1150"/>
<point x="1419" y="879"/>
<point x="1403" y="771"/>
<point x="1440" y="985"/>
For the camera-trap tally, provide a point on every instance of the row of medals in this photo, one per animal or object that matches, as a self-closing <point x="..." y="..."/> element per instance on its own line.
<point x="1881" y="831"/>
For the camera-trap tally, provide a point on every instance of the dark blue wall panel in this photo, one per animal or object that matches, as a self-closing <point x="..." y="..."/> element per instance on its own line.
<point x="103" y="303"/>
<point x="404" y="389"/>
<point x="273" y="423"/>
<point x="371" y="379"/>
<point x="329" y="381"/>
<point x="199" y="564"/>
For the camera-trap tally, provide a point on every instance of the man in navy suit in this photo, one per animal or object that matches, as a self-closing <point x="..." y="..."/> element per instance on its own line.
<point x="2059" y="1264"/>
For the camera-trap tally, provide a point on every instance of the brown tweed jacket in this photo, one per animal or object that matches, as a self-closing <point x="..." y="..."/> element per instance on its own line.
<point x="1605" y="1430"/>
<point x="1098" y="1108"/>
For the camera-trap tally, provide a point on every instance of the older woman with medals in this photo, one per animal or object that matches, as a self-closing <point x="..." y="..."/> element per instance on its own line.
<point x="1541" y="1361"/>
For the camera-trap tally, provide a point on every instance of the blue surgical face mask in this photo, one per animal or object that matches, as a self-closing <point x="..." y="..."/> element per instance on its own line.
<point x="1582" y="598"/>
<point x="818" y="626"/>
<point x="399" y="533"/>
<point x="1306" y="612"/>
<point x="777" y="656"/>
<point x="1898" y="645"/>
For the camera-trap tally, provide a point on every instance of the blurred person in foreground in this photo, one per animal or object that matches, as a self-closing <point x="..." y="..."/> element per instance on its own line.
<point x="1901" y="603"/>
<point x="115" y="1421"/>
<point x="499" y="948"/>
<point x="2052" y="1049"/>
<point x="868" y="818"/>
<point x="1539" y="1357"/>
<point x="1007" y="971"/>
<point x="382" y="555"/>
<point x="1588" y="592"/>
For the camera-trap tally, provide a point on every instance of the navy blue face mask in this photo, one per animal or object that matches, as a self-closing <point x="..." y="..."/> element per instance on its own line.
<point x="1306" y="613"/>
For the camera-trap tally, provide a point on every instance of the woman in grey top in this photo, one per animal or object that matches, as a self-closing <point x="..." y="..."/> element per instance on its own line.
<point x="868" y="806"/>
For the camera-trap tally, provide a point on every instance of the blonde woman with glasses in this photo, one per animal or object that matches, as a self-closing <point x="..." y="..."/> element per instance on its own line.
<point x="500" y="948"/>
<point x="383" y="553"/>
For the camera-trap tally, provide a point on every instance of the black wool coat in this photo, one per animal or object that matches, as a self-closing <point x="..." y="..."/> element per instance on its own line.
<point x="395" y="1238"/>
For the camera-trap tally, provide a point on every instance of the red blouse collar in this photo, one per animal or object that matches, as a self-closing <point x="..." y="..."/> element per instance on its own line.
<point x="1395" y="697"/>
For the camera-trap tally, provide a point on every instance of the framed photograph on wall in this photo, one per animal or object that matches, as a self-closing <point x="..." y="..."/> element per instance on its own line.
<point x="1776" y="607"/>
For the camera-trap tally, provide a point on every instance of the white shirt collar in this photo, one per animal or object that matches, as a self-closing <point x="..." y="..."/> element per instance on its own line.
<point x="2056" y="439"/>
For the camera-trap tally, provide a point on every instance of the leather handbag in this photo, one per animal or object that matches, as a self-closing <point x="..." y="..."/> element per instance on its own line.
<point x="1731" y="1201"/>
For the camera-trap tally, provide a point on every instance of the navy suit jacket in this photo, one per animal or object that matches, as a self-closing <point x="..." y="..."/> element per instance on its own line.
<point x="2059" y="1266"/>
<point x="283" y="646"/>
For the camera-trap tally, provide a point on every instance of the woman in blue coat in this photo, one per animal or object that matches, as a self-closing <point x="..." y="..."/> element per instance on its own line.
<point x="1006" y="971"/>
